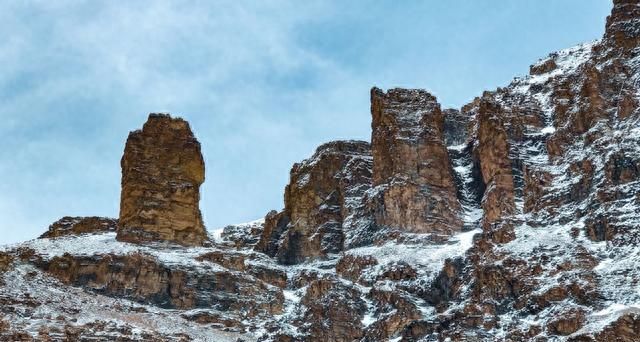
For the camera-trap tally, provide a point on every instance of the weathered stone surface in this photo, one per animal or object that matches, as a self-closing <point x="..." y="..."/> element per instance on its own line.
<point x="243" y="235"/>
<point x="394" y="311"/>
<point x="621" y="169"/>
<point x="568" y="323"/>
<point x="554" y="157"/>
<point x="275" y="225"/>
<point x="228" y="260"/>
<point x="492" y="154"/>
<point x="623" y="25"/>
<point x="351" y="266"/>
<point x="143" y="279"/>
<point x="333" y="312"/>
<point x="411" y="170"/>
<point x="320" y="197"/>
<point x="624" y="329"/>
<point x="398" y="272"/>
<point x="6" y="260"/>
<point x="162" y="170"/>
<point x="80" y="225"/>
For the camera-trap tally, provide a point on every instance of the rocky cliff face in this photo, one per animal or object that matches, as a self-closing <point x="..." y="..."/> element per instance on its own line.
<point x="513" y="218"/>
<point x="321" y="201"/>
<point x="162" y="170"/>
<point x="411" y="170"/>
<point x="80" y="225"/>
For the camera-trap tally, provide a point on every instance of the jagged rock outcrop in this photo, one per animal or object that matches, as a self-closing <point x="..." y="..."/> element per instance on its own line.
<point x="243" y="235"/>
<point x="393" y="310"/>
<point x="333" y="312"/>
<point x="351" y="267"/>
<point x="623" y="329"/>
<point x="526" y="201"/>
<point x="414" y="184"/>
<point x="80" y="225"/>
<point x="558" y="154"/>
<point x="144" y="279"/>
<point x="320" y="202"/>
<point x="623" y="25"/>
<point x="162" y="170"/>
<point x="492" y="153"/>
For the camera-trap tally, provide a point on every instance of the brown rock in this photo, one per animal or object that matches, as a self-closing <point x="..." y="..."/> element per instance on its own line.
<point x="207" y="318"/>
<point x="351" y="266"/>
<point x="447" y="284"/>
<point x="231" y="261"/>
<point x="6" y="260"/>
<point x="398" y="272"/>
<point x="270" y="275"/>
<point x="456" y="127"/>
<point x="4" y="325"/>
<point x="495" y="129"/>
<point x="411" y="168"/>
<point x="80" y="225"/>
<point x="321" y="195"/>
<point x="544" y="67"/>
<point x="493" y="153"/>
<point x="333" y="312"/>
<point x="275" y="225"/>
<point x="621" y="169"/>
<point x="600" y="228"/>
<point x="624" y="329"/>
<point x="567" y="323"/>
<point x="144" y="279"/>
<point x="394" y="311"/>
<point x="623" y="25"/>
<point x="162" y="170"/>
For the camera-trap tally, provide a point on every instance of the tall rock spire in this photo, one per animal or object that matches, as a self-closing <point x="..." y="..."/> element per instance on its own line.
<point x="411" y="164"/>
<point x="162" y="170"/>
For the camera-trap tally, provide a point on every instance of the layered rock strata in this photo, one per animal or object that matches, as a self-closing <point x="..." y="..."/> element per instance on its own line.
<point x="320" y="201"/>
<point x="412" y="176"/>
<point x="162" y="170"/>
<point x="80" y="225"/>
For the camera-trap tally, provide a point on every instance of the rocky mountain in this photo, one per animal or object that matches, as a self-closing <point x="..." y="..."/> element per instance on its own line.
<point x="513" y="218"/>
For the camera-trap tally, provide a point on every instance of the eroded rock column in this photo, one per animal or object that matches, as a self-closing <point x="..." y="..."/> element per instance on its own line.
<point x="492" y="151"/>
<point x="162" y="170"/>
<point x="415" y="188"/>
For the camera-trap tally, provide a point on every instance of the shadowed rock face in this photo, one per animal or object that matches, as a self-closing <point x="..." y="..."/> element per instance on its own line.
<point x="162" y="170"/>
<point x="415" y="186"/>
<point x="492" y="152"/>
<point x="144" y="279"/>
<point x="319" y="197"/>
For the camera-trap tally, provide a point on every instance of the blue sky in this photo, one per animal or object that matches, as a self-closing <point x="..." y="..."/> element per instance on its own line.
<point x="262" y="83"/>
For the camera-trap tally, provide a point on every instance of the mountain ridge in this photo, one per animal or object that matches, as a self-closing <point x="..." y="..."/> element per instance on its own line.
<point x="515" y="217"/>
